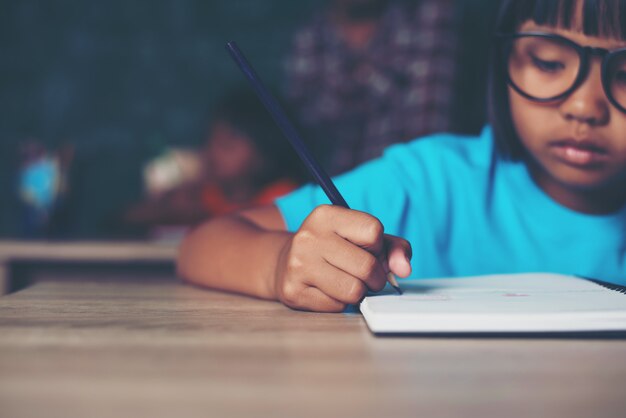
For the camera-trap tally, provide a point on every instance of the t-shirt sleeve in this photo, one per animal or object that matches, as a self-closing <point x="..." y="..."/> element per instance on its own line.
<point x="374" y="187"/>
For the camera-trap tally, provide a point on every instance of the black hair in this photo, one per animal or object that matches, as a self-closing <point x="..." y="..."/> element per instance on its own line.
<point x="605" y="18"/>
<point x="242" y="110"/>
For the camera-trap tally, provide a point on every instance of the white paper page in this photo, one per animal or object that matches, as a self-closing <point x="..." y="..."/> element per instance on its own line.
<point x="519" y="302"/>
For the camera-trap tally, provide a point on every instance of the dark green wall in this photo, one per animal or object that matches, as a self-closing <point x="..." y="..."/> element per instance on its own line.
<point x="120" y="78"/>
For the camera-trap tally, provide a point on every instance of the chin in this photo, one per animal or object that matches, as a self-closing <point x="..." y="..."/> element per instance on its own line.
<point x="583" y="181"/>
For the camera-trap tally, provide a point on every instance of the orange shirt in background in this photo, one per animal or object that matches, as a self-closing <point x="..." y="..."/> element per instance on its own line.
<point x="216" y="203"/>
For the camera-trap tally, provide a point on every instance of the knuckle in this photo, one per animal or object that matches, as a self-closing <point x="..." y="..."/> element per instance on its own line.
<point x="290" y="294"/>
<point x="373" y="229"/>
<point x="355" y="292"/>
<point x="367" y="266"/>
<point x="294" y="264"/>
<point x="321" y="211"/>
<point x="303" y="238"/>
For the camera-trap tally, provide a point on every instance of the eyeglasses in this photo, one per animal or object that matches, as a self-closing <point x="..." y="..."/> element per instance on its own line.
<point x="545" y="67"/>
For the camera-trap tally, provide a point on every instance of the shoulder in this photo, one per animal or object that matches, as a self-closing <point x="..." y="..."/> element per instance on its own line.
<point x="446" y="150"/>
<point x="274" y="190"/>
<point x="443" y="166"/>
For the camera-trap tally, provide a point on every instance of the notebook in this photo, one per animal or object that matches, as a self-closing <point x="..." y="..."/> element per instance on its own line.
<point x="513" y="303"/>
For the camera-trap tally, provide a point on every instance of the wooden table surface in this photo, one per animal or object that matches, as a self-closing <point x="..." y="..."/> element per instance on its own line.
<point x="163" y="349"/>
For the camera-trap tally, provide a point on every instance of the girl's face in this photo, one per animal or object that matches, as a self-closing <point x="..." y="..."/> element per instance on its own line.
<point x="577" y="144"/>
<point x="231" y="155"/>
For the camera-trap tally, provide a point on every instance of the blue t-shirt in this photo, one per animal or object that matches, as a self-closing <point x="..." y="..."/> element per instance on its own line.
<point x="435" y="192"/>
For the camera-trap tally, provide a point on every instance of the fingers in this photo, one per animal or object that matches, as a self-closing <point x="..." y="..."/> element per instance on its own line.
<point x="338" y="284"/>
<point x="356" y="262"/>
<point x="320" y="302"/>
<point x="399" y="254"/>
<point x="343" y="277"/>
<point x="335" y="257"/>
<point x="309" y="298"/>
<point x="360" y="228"/>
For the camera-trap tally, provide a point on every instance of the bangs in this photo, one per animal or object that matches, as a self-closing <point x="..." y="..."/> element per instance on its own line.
<point x="601" y="18"/>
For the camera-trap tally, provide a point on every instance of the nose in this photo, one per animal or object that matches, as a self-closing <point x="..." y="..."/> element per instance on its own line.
<point x="588" y="103"/>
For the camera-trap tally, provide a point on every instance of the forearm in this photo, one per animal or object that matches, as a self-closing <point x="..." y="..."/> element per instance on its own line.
<point x="232" y="253"/>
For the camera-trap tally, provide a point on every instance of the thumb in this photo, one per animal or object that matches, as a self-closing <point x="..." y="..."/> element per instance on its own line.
<point x="399" y="255"/>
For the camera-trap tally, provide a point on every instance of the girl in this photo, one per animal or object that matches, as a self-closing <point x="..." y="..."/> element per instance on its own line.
<point x="542" y="189"/>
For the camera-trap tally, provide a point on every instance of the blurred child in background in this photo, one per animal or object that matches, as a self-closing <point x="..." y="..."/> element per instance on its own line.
<point x="250" y="161"/>
<point x="245" y="161"/>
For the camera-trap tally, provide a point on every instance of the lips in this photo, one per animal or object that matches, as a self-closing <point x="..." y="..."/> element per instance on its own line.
<point x="579" y="153"/>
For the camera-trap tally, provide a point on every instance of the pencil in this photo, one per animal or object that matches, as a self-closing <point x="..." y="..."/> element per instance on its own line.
<point x="279" y="116"/>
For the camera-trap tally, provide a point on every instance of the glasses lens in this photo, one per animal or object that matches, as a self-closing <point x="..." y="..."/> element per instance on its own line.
<point x="542" y="68"/>
<point x="617" y="78"/>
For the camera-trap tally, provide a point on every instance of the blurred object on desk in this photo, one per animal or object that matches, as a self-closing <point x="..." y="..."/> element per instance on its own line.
<point x="42" y="186"/>
<point x="172" y="168"/>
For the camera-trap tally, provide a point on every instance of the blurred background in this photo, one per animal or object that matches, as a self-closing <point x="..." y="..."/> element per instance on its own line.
<point x="94" y="92"/>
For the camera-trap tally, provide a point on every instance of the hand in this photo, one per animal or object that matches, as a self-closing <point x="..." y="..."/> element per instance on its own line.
<point x="335" y="257"/>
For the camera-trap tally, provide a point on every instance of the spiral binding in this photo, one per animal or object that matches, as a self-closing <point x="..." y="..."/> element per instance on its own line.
<point x="612" y="286"/>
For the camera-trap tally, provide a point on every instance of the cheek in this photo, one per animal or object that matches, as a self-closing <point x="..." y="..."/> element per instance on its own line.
<point x="242" y="159"/>
<point x="232" y="162"/>
<point x="532" y="121"/>
<point x="618" y="130"/>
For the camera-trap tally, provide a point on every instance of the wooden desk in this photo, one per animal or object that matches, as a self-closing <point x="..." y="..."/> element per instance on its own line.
<point x="32" y="252"/>
<point x="162" y="349"/>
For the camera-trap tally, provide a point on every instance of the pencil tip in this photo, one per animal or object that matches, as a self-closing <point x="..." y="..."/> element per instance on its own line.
<point x="394" y="283"/>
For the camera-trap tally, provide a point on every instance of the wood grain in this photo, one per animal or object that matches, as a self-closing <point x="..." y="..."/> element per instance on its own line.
<point x="163" y="349"/>
<point x="86" y="251"/>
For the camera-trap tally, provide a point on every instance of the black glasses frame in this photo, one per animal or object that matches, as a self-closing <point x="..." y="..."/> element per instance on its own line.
<point x="585" y="54"/>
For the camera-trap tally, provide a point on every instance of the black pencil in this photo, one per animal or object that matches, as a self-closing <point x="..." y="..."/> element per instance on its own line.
<point x="279" y="116"/>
